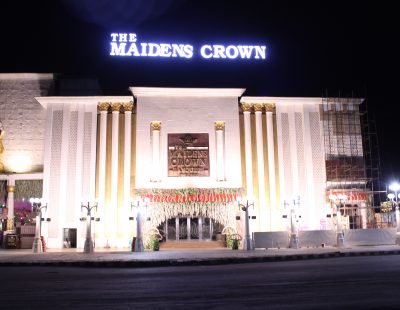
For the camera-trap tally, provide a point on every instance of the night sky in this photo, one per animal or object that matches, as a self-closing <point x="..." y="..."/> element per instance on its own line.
<point x="315" y="48"/>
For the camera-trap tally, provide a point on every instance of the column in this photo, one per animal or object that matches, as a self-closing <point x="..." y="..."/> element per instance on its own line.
<point x="219" y="132"/>
<point x="115" y="106"/>
<point x="363" y="214"/>
<point x="127" y="162"/>
<point x="269" y="108"/>
<point x="155" y="142"/>
<point x="103" y="108"/>
<point x="264" y="222"/>
<point x="10" y="205"/>
<point x="246" y="107"/>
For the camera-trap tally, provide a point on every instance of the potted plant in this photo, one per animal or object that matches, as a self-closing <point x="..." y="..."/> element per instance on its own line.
<point x="152" y="239"/>
<point x="233" y="241"/>
<point x="154" y="244"/>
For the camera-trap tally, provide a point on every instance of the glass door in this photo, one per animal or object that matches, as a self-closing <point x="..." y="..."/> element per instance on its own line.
<point x="194" y="228"/>
<point x="206" y="231"/>
<point x="171" y="230"/>
<point x="186" y="228"/>
<point x="183" y="228"/>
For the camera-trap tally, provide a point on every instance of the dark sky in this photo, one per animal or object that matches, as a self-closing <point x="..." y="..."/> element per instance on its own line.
<point x="315" y="48"/>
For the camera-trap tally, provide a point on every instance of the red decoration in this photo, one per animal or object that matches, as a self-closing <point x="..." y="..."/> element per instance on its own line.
<point x="189" y="195"/>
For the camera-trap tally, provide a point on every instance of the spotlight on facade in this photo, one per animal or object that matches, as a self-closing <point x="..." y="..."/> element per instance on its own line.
<point x="19" y="162"/>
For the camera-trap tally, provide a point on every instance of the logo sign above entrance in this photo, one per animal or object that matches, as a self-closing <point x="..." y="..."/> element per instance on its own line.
<point x="126" y="44"/>
<point x="188" y="155"/>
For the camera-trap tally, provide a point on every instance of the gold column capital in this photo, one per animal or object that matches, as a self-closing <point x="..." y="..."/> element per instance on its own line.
<point x="219" y="125"/>
<point x="155" y="125"/>
<point x="103" y="106"/>
<point x="10" y="188"/>
<point x="269" y="107"/>
<point x="116" y="106"/>
<point x="128" y="106"/>
<point x="258" y="107"/>
<point x="246" y="107"/>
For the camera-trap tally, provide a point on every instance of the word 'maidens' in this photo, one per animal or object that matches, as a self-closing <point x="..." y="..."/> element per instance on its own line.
<point x="126" y="44"/>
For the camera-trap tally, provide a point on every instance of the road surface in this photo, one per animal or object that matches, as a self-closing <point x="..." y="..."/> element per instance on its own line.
<point x="371" y="282"/>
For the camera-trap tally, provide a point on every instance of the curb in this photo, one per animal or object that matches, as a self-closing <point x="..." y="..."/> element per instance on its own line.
<point x="195" y="262"/>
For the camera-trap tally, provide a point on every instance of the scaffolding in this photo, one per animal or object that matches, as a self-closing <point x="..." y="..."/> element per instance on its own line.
<point x="352" y="159"/>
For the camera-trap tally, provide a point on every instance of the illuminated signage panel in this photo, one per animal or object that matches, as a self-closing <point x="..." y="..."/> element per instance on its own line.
<point x="126" y="44"/>
<point x="188" y="155"/>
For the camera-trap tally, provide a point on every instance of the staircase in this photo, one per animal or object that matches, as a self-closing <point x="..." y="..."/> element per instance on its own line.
<point x="191" y="245"/>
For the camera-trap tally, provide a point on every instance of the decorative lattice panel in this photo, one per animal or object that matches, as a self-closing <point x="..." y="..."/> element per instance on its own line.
<point x="287" y="166"/>
<point x="302" y="175"/>
<point x="318" y="154"/>
<point x="55" y="157"/>
<point x="87" y="146"/>
<point x="26" y="189"/>
<point x="71" y="181"/>
<point x="3" y="193"/>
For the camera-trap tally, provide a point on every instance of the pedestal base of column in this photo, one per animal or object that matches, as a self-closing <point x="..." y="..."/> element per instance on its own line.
<point x="247" y="244"/>
<point x="37" y="246"/>
<point x="340" y="239"/>
<point x="88" y="247"/>
<point x="139" y="245"/>
<point x="10" y="225"/>
<point x="294" y="241"/>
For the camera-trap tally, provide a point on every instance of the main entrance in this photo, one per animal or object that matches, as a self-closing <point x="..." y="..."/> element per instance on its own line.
<point x="190" y="228"/>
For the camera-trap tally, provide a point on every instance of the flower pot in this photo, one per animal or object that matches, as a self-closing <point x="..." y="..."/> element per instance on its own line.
<point x="235" y="244"/>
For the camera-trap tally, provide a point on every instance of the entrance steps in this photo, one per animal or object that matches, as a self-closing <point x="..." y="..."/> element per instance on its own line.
<point x="172" y="245"/>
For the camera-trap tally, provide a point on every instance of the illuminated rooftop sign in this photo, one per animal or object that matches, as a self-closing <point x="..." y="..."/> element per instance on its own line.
<point x="126" y="44"/>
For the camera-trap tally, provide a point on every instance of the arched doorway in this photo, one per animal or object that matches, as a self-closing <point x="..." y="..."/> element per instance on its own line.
<point x="189" y="214"/>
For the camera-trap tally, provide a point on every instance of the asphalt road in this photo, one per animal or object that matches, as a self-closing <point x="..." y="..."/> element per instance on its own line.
<point x="371" y="282"/>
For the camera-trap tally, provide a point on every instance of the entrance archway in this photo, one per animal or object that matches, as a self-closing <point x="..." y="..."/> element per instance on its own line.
<point x="190" y="222"/>
<point x="190" y="210"/>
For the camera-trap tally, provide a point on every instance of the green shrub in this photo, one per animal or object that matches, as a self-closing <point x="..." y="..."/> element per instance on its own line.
<point x="154" y="244"/>
<point x="233" y="241"/>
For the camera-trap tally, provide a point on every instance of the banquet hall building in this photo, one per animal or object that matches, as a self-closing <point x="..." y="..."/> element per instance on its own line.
<point x="191" y="157"/>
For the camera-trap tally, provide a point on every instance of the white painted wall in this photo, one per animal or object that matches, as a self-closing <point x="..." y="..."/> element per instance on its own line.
<point x="69" y="169"/>
<point x="302" y="158"/>
<point x="187" y="114"/>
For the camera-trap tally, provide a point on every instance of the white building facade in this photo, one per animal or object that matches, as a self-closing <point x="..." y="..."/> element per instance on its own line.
<point x="191" y="153"/>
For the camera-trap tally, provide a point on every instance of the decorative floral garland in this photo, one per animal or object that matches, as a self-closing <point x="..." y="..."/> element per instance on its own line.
<point x="189" y="195"/>
<point x="215" y="203"/>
